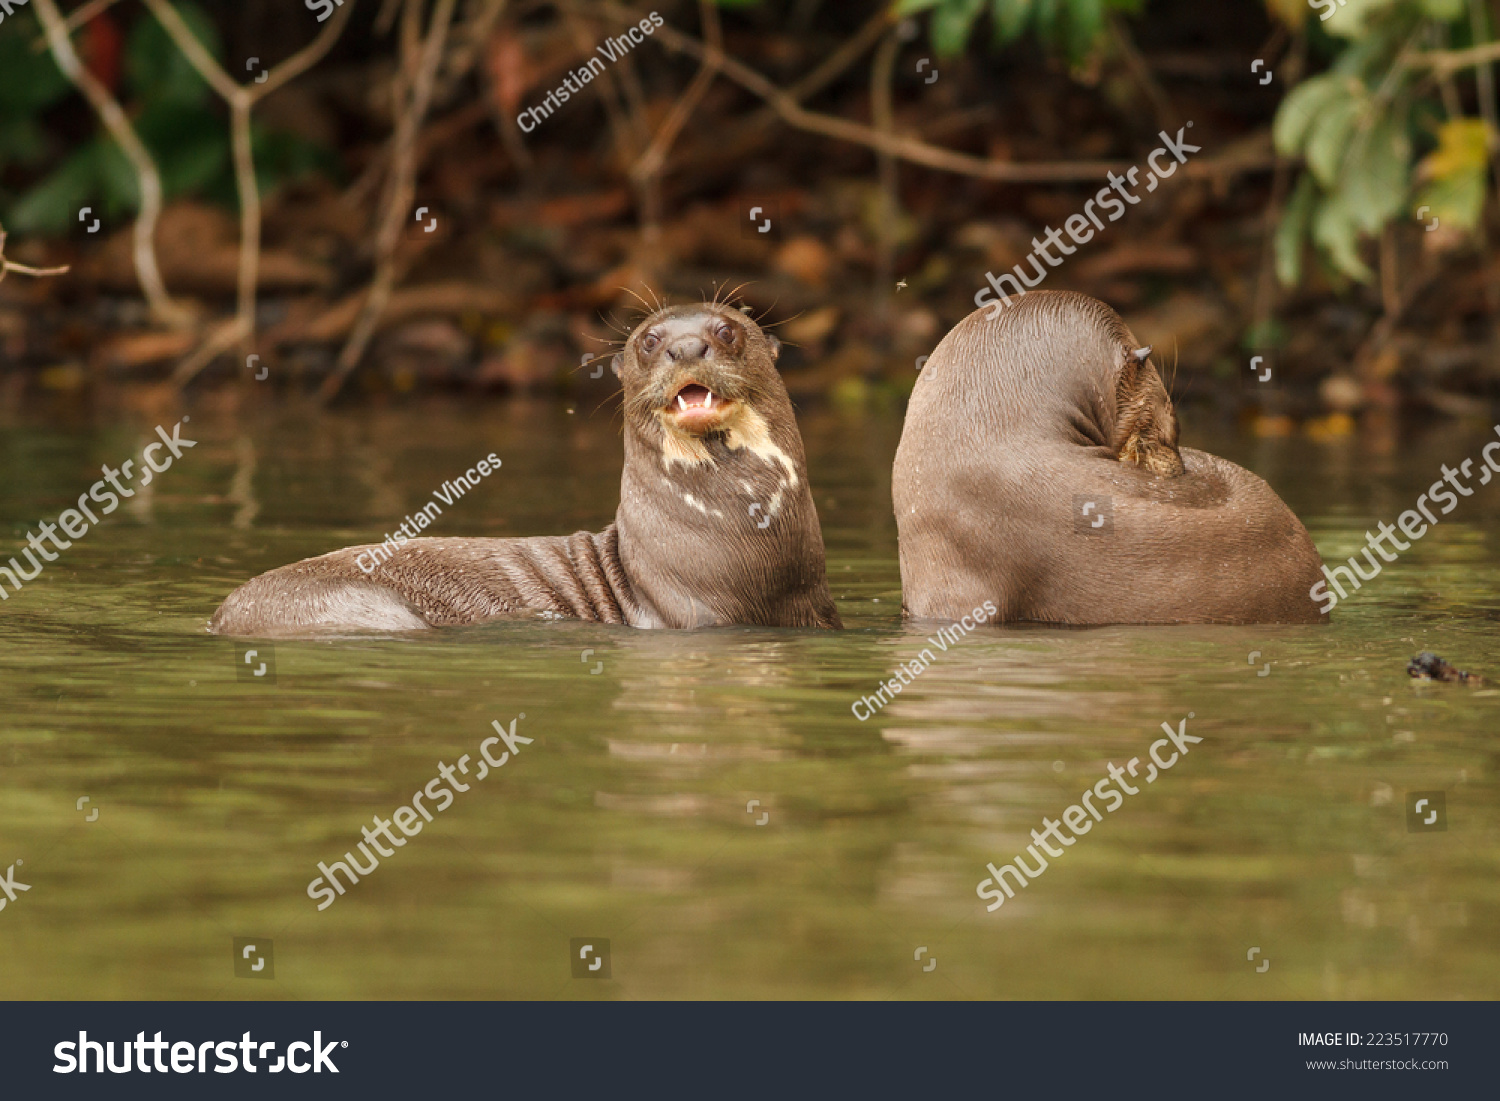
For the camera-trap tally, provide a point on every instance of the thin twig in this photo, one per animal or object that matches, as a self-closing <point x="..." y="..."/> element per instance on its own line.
<point x="242" y="99"/>
<point x="647" y="170"/>
<point x="1390" y="275"/>
<point x="883" y="115"/>
<point x="7" y="266"/>
<point x="385" y="19"/>
<point x="1484" y="85"/>
<point x="1263" y="308"/>
<point x="108" y="109"/>
<point x="626" y="136"/>
<point x="906" y="148"/>
<point x="305" y="58"/>
<point x="1124" y="41"/>
<point x="835" y="64"/>
<point x="633" y="94"/>
<point x="469" y="45"/>
<point x="1449" y="61"/>
<point x="76" y="19"/>
<point x="750" y="131"/>
<point x="220" y="340"/>
<point x="411" y="109"/>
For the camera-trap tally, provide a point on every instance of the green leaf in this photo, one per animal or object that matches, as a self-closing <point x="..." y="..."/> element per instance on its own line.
<point x="1328" y="140"/>
<point x="118" y="185"/>
<point x="28" y="81"/>
<point x="1336" y="231"/>
<point x="1085" y="25"/>
<point x="1011" y="17"/>
<point x="952" y="22"/>
<point x="1444" y="11"/>
<point x="53" y="204"/>
<point x="157" y="71"/>
<point x="190" y="144"/>
<point x="1376" y="177"/>
<point x="1352" y="17"/>
<point x="1463" y="146"/>
<point x="22" y="141"/>
<point x="1292" y="229"/>
<point x="1045" y="19"/>
<point x="281" y="157"/>
<point x="1456" y="173"/>
<point x="1300" y="109"/>
<point x="1456" y="200"/>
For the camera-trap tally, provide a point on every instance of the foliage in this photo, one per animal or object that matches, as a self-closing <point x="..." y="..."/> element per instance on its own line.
<point x="1358" y="127"/>
<point x="173" y="110"/>
<point x="1071" y="28"/>
<point x="29" y="84"/>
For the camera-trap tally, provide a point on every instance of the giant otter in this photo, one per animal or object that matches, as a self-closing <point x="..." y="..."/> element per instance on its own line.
<point x="1039" y="468"/>
<point x="716" y="523"/>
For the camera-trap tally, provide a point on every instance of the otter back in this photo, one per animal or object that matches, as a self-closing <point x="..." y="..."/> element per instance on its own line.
<point x="1039" y="468"/>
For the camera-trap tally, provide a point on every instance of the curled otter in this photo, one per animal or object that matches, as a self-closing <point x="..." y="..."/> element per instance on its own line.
<point x="715" y="526"/>
<point x="1039" y="468"/>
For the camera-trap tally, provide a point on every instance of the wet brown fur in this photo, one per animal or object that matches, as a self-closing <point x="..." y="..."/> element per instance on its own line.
<point x="684" y="550"/>
<point x="1014" y="420"/>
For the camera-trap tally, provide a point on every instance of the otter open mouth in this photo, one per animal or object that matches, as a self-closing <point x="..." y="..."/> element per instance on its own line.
<point x="696" y="408"/>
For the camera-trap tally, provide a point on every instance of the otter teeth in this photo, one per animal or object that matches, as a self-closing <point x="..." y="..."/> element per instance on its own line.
<point x="706" y="403"/>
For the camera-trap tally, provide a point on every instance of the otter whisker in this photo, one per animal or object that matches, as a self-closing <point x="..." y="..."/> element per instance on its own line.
<point x="636" y="295"/>
<point x="734" y="294"/>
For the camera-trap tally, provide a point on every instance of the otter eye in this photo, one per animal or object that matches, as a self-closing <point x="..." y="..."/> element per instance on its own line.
<point x="725" y="333"/>
<point x="649" y="342"/>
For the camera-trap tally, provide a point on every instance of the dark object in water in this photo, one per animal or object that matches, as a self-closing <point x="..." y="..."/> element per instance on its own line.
<point x="1428" y="666"/>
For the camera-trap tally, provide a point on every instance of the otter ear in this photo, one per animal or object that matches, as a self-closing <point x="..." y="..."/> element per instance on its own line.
<point x="617" y="363"/>
<point x="775" y="347"/>
<point x="1146" y="428"/>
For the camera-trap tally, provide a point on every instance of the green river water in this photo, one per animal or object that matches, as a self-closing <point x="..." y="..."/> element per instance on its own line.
<point x="625" y="819"/>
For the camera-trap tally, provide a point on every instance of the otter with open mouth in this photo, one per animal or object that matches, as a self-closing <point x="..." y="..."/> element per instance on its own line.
<point x="1039" y="468"/>
<point x="716" y="523"/>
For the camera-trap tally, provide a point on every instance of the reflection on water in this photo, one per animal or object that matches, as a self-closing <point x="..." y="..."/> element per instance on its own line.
<point x="707" y="801"/>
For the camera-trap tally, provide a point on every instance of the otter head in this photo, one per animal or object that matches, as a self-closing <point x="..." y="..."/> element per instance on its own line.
<point x="1145" y="426"/>
<point x="716" y="520"/>
<point x="696" y="372"/>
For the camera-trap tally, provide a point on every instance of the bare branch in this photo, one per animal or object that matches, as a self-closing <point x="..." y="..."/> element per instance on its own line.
<point x="896" y="145"/>
<point x="242" y="99"/>
<point x="192" y="49"/>
<point x="7" y="266"/>
<point x="410" y="104"/>
<point x="905" y="148"/>
<point x="1444" y="62"/>
<point x="650" y="163"/>
<point x="77" y="19"/>
<point x="109" y="112"/>
<point x="883" y="115"/>
<point x="305" y="58"/>
<point x="219" y="341"/>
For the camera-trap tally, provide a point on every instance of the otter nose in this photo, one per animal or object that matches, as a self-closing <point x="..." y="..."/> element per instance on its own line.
<point x="687" y="347"/>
